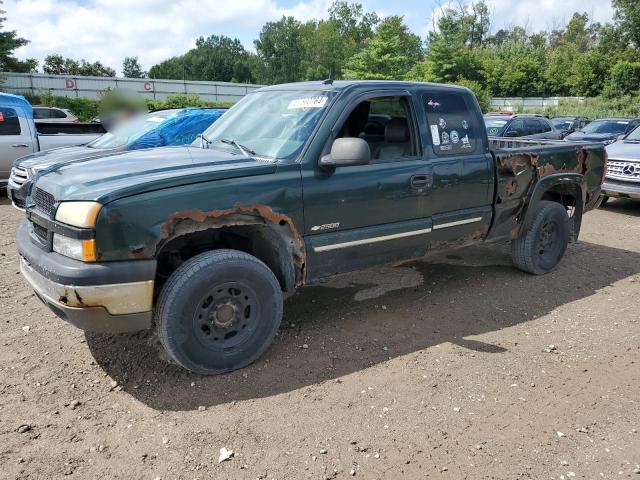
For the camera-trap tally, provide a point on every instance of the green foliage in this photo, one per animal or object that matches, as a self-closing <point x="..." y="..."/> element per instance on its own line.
<point x="131" y="68"/>
<point x="627" y="13"/>
<point x="88" y="108"/>
<point x="215" y="58"/>
<point x="280" y="50"/>
<point x="624" y="79"/>
<point x="389" y="55"/>
<point x="598" y="107"/>
<point x="482" y="94"/>
<point x="58" y="65"/>
<point x="9" y="41"/>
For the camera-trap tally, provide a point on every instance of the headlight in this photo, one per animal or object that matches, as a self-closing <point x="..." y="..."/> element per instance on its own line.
<point x="84" y="250"/>
<point x="78" y="214"/>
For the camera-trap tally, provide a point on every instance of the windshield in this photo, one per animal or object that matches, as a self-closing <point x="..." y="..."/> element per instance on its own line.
<point x="494" y="124"/>
<point x="615" y="127"/>
<point x="270" y="124"/>
<point x="137" y="126"/>
<point x="563" y="124"/>
<point x="634" y="135"/>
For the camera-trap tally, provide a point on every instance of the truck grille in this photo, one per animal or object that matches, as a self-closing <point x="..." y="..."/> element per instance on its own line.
<point x="629" y="171"/>
<point x="18" y="176"/>
<point x="40" y="232"/>
<point x="44" y="201"/>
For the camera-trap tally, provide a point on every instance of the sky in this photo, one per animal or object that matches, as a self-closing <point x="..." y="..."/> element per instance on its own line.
<point x="153" y="30"/>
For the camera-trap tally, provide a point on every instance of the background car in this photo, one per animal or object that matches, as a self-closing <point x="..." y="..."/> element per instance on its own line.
<point x="156" y="129"/>
<point x="622" y="179"/>
<point x="606" y="130"/>
<point x="53" y="114"/>
<point x="567" y="125"/>
<point x="504" y="124"/>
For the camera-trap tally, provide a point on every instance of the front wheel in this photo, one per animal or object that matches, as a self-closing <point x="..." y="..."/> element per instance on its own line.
<point x="542" y="244"/>
<point x="219" y="311"/>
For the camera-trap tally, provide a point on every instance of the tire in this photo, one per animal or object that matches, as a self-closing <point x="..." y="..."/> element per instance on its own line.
<point x="219" y="311"/>
<point x="542" y="244"/>
<point x="604" y="200"/>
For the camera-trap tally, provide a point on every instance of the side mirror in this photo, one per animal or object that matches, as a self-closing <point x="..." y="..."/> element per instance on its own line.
<point x="345" y="152"/>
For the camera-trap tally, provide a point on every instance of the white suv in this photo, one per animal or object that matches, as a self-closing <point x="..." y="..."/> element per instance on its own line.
<point x="53" y="114"/>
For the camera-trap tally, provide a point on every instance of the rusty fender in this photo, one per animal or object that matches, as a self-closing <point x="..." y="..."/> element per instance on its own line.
<point x="191" y="221"/>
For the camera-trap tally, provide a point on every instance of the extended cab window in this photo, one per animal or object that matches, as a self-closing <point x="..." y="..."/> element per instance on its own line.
<point x="386" y="124"/>
<point x="41" y="113"/>
<point x="55" y="113"/>
<point x="9" y="122"/>
<point x="451" y="123"/>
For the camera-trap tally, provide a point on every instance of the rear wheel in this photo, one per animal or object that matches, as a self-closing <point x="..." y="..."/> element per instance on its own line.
<point x="603" y="200"/>
<point x="542" y="244"/>
<point x="219" y="311"/>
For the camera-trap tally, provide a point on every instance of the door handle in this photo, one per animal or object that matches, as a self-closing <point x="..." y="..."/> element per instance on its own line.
<point x="421" y="181"/>
<point x="20" y="145"/>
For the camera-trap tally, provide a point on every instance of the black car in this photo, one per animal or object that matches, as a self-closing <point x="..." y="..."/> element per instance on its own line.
<point x="504" y="124"/>
<point x="568" y="125"/>
<point x="606" y="130"/>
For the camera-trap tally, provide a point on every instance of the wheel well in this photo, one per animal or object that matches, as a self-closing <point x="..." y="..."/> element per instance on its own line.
<point x="257" y="240"/>
<point x="570" y="196"/>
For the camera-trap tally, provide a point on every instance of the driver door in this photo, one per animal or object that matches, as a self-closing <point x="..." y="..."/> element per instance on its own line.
<point x="358" y="216"/>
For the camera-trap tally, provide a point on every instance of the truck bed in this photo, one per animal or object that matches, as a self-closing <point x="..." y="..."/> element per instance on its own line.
<point x="523" y="165"/>
<point x="56" y="135"/>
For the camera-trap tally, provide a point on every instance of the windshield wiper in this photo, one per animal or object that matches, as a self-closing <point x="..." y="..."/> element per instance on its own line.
<point x="203" y="140"/>
<point x="247" y="152"/>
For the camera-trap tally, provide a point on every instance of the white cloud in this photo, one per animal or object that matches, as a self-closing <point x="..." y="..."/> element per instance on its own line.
<point x="153" y="30"/>
<point x="109" y="30"/>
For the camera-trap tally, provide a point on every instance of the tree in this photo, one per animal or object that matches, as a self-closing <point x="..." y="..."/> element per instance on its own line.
<point x="132" y="69"/>
<point x="389" y="54"/>
<point x="627" y="14"/>
<point x="280" y="48"/>
<point x="56" y="64"/>
<point x="214" y="58"/>
<point x="10" y="41"/>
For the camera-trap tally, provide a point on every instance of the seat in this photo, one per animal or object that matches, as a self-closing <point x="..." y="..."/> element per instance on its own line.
<point x="396" y="140"/>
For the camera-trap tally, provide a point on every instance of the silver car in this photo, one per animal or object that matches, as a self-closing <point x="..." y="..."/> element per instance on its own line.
<point x="622" y="178"/>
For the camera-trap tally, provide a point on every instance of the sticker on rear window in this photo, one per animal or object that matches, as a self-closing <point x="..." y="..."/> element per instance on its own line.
<point x="435" y="135"/>
<point x="623" y="123"/>
<point x="310" y="102"/>
<point x="155" y="119"/>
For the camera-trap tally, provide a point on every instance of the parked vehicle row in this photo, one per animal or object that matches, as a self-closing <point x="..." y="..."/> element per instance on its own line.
<point x="20" y="135"/>
<point x="156" y="129"/>
<point x="295" y="183"/>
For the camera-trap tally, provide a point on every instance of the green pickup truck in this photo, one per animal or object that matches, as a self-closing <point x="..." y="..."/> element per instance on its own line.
<point x="295" y="183"/>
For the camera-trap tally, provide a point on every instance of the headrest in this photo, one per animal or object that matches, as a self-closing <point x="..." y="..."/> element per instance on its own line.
<point x="373" y="128"/>
<point x="397" y="130"/>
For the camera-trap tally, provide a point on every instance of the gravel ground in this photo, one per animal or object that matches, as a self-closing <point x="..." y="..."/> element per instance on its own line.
<point x="460" y="368"/>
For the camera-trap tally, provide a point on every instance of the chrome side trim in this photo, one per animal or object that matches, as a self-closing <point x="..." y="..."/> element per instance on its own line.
<point x="365" y="241"/>
<point x="455" y="224"/>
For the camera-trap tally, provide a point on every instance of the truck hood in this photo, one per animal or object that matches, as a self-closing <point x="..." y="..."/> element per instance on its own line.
<point x="115" y="176"/>
<point x="591" y="137"/>
<point x="624" y="150"/>
<point x="41" y="160"/>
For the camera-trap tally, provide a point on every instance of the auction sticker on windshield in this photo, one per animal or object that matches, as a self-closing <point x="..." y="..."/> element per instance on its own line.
<point x="309" y="102"/>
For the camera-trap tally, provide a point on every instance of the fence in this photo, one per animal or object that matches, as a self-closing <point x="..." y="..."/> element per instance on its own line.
<point x="528" y="103"/>
<point x="90" y="87"/>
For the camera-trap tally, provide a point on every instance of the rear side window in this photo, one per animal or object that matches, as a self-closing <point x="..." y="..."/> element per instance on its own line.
<point x="41" y="113"/>
<point x="55" y="113"/>
<point x="9" y="122"/>
<point x="546" y="126"/>
<point x="452" y="126"/>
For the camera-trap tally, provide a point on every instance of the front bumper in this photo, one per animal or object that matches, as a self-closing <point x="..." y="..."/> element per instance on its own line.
<point x="617" y="189"/>
<point x="108" y="297"/>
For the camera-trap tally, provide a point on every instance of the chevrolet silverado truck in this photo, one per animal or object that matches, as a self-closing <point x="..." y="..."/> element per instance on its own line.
<point x="293" y="184"/>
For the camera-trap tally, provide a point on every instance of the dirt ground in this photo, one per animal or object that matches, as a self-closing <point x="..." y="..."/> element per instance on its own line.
<point x="460" y="368"/>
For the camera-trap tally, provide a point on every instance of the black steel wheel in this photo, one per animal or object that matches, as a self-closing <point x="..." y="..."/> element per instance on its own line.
<point x="219" y="311"/>
<point x="542" y="244"/>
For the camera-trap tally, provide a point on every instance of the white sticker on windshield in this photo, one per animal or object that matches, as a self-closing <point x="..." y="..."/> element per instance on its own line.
<point x="499" y="122"/>
<point x="310" y="102"/>
<point x="435" y="135"/>
<point x="623" y="123"/>
<point x="155" y="119"/>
